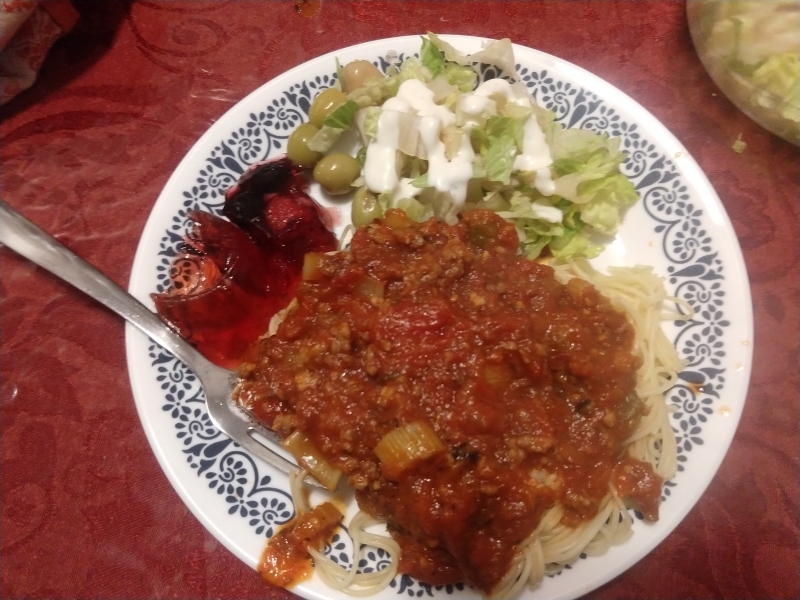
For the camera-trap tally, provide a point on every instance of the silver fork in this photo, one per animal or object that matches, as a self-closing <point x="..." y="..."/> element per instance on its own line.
<point x="27" y="239"/>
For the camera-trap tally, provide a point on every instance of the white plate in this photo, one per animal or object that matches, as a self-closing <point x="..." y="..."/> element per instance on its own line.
<point x="679" y="226"/>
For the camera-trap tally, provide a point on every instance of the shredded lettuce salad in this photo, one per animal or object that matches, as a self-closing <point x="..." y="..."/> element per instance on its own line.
<point x="560" y="195"/>
<point x="758" y="42"/>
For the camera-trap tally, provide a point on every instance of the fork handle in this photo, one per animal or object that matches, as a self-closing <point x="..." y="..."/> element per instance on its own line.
<point x="38" y="246"/>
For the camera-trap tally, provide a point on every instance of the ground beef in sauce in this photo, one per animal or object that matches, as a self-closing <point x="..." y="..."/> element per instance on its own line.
<point x="528" y="383"/>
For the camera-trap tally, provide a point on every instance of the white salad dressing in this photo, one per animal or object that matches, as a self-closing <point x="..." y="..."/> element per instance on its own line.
<point x="546" y="211"/>
<point x="419" y="97"/>
<point x="473" y="104"/>
<point x="476" y="102"/>
<point x="404" y="189"/>
<point x="544" y="182"/>
<point x="497" y="87"/>
<point x="452" y="175"/>
<point x="443" y="174"/>
<point x="380" y="173"/>
<point x="414" y="97"/>
<point x="535" y="152"/>
<point x="536" y="157"/>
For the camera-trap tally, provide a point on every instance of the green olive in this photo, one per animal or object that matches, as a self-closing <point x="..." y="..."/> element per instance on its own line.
<point x="337" y="172"/>
<point x="324" y="104"/>
<point x="357" y="73"/>
<point x="366" y="207"/>
<point x="297" y="147"/>
<point x="474" y="191"/>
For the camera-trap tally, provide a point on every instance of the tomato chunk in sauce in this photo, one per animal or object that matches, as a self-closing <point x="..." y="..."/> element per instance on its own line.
<point x="285" y="560"/>
<point x="527" y="383"/>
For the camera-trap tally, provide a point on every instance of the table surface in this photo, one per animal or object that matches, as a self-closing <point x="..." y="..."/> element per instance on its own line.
<point x="86" y="510"/>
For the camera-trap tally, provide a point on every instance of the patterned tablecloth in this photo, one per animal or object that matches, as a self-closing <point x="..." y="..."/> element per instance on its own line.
<point x="86" y="510"/>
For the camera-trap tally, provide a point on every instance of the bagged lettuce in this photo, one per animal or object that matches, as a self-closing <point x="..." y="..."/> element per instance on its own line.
<point x="558" y="186"/>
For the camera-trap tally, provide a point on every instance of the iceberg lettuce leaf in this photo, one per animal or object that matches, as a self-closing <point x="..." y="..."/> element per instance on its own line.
<point x="499" y="141"/>
<point x="342" y="116"/>
<point x="432" y="58"/>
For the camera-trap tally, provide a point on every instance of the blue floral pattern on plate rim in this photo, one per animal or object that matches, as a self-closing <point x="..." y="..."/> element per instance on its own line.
<point x="689" y="252"/>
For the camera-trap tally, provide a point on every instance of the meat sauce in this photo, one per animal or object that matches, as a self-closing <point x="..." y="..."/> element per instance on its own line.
<point x="233" y="276"/>
<point x="528" y="383"/>
<point x="285" y="560"/>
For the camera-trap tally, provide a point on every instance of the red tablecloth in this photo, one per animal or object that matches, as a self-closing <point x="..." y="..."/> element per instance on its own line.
<point x="86" y="510"/>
